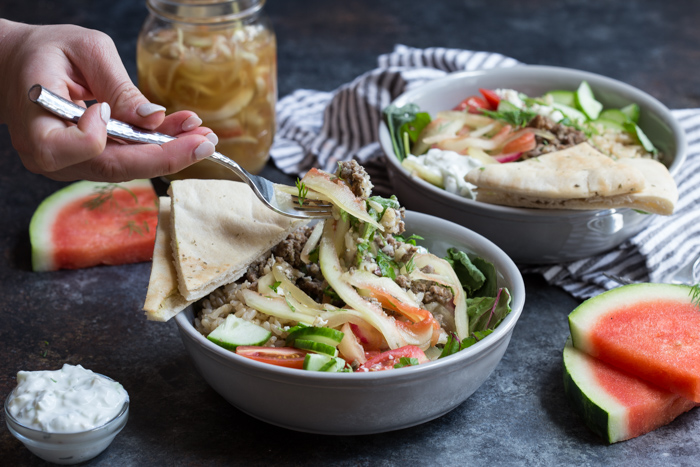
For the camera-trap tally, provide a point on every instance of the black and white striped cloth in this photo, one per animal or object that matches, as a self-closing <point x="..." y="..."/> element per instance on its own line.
<point x="318" y="129"/>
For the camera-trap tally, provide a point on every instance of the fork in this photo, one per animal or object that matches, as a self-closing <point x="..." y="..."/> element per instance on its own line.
<point x="274" y="196"/>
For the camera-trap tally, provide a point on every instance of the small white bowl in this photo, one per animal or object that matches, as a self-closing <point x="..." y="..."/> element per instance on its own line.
<point x="363" y="403"/>
<point x="68" y="448"/>
<point x="534" y="235"/>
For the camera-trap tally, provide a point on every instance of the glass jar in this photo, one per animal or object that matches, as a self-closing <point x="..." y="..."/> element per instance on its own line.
<point x="217" y="58"/>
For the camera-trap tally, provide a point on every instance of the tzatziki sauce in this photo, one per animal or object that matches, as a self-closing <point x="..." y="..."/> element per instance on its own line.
<point x="451" y="167"/>
<point x="68" y="400"/>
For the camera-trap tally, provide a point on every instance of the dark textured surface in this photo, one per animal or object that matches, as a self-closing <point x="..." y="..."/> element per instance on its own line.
<point x="519" y="417"/>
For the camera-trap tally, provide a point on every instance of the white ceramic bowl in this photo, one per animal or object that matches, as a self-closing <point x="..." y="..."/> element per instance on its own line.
<point x="534" y="235"/>
<point x="363" y="403"/>
<point x="68" y="448"/>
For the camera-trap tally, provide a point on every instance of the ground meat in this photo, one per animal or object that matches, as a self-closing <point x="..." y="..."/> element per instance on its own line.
<point x="433" y="292"/>
<point x="565" y="136"/>
<point x="290" y="248"/>
<point x="356" y="177"/>
<point x="313" y="287"/>
<point x="437" y="293"/>
<point x="403" y="281"/>
<point x="255" y="270"/>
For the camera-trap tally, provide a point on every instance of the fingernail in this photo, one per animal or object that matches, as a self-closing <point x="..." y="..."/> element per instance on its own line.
<point x="205" y="149"/>
<point x="213" y="138"/>
<point x="191" y="123"/>
<point x="105" y="112"/>
<point x="145" y="110"/>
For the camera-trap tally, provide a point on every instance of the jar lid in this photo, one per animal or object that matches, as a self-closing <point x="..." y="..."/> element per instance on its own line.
<point x="205" y="11"/>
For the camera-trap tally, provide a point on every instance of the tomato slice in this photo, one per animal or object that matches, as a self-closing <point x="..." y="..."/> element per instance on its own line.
<point x="491" y="97"/>
<point x="281" y="356"/>
<point x="472" y="104"/>
<point x="523" y="143"/>
<point x="387" y="360"/>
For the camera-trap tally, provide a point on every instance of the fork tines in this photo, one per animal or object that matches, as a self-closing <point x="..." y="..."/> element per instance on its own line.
<point x="312" y="207"/>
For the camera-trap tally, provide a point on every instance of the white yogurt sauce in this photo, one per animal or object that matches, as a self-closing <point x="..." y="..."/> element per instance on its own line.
<point x="68" y="400"/>
<point x="451" y="167"/>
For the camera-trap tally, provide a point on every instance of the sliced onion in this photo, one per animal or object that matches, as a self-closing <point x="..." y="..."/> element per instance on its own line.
<point x="512" y="157"/>
<point x="311" y="242"/>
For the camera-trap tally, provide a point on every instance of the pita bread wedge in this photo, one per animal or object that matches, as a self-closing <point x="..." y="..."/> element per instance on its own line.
<point x="578" y="178"/>
<point x="219" y="228"/>
<point x="163" y="299"/>
<point x="576" y="172"/>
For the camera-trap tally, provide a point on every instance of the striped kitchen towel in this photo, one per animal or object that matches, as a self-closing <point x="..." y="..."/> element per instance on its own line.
<point x="318" y="129"/>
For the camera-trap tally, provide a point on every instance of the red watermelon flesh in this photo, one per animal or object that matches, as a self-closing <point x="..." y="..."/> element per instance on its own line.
<point x="614" y="404"/>
<point x="649" y="330"/>
<point x="91" y="223"/>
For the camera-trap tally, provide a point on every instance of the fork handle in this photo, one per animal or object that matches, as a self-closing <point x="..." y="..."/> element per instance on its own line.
<point x="72" y="112"/>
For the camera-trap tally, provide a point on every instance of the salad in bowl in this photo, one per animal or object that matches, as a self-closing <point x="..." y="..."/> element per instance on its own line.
<point x="504" y="126"/>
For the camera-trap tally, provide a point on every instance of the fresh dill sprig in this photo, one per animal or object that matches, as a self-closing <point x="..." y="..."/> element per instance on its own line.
<point x="105" y="193"/>
<point x="133" y="227"/>
<point x="303" y="191"/>
<point x="695" y="295"/>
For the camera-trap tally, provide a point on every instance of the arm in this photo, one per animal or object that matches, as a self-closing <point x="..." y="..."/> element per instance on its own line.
<point x="81" y="65"/>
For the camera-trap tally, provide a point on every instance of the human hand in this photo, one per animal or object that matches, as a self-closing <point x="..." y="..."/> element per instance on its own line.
<point x="82" y="65"/>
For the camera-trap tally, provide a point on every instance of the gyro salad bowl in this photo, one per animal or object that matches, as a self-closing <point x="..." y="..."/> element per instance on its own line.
<point x="346" y="326"/>
<point x="552" y="164"/>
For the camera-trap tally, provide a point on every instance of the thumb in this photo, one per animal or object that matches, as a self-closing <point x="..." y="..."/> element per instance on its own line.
<point x="108" y="81"/>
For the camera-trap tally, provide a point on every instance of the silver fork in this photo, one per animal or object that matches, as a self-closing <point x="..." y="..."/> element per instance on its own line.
<point x="265" y="190"/>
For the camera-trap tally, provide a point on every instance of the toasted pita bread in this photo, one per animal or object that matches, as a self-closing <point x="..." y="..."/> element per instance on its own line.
<point x="578" y="178"/>
<point x="219" y="228"/>
<point x="163" y="300"/>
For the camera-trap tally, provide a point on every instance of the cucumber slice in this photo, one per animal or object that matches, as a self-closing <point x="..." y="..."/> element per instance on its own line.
<point x="643" y="139"/>
<point x="235" y="331"/>
<point x="316" y="361"/>
<point x="563" y="97"/>
<point x="322" y="335"/>
<point x="585" y="100"/>
<point x="632" y="112"/>
<point x="573" y="114"/>
<point x="321" y="362"/>
<point x="615" y="115"/>
<point x="609" y="124"/>
<point x="317" y="347"/>
<point x="335" y="365"/>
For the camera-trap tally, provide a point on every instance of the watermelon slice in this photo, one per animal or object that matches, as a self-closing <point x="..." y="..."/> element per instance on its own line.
<point x="91" y="223"/>
<point x="649" y="330"/>
<point x="616" y="405"/>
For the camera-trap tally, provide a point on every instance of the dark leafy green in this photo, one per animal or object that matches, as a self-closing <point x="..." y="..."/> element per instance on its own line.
<point x="405" y="124"/>
<point x="485" y="313"/>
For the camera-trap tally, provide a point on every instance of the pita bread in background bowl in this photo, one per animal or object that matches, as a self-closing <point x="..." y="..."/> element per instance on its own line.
<point x="544" y="235"/>
<point x="579" y="177"/>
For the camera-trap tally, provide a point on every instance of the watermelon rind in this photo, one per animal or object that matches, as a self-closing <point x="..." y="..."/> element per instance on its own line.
<point x="44" y="217"/>
<point x="586" y="315"/>
<point x="600" y="411"/>
<point x="648" y="407"/>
